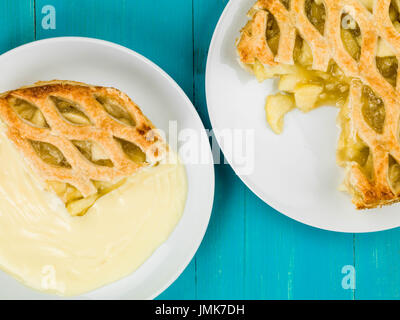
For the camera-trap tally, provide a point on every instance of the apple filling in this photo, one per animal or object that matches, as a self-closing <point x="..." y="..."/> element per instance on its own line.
<point x="302" y="87"/>
<point x="75" y="202"/>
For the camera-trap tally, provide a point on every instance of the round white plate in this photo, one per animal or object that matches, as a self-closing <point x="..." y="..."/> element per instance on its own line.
<point x="296" y="172"/>
<point x="107" y="64"/>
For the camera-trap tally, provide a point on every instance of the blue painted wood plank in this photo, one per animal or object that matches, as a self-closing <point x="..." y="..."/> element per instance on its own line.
<point x="16" y="23"/>
<point x="162" y="33"/>
<point x="206" y="14"/>
<point x="220" y="260"/>
<point x="378" y="265"/>
<point x="288" y="260"/>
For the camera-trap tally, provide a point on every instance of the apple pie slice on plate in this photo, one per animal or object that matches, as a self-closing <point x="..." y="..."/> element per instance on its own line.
<point x="342" y="53"/>
<point x="81" y="140"/>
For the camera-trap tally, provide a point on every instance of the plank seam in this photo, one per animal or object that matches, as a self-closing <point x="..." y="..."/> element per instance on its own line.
<point x="34" y="19"/>
<point x="244" y="241"/>
<point x="354" y="263"/>
<point x="194" y="103"/>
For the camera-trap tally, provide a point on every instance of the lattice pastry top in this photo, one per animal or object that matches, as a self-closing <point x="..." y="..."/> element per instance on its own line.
<point x="80" y="135"/>
<point x="327" y="46"/>
<point x="375" y="181"/>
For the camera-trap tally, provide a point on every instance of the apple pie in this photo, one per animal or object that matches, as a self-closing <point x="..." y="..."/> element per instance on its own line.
<point x="342" y="53"/>
<point x="82" y="141"/>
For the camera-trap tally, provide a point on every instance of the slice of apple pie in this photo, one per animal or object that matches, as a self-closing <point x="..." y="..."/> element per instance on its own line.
<point x="343" y="53"/>
<point x="81" y="140"/>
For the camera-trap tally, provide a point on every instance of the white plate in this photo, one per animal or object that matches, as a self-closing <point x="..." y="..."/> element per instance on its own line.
<point x="296" y="172"/>
<point x="107" y="64"/>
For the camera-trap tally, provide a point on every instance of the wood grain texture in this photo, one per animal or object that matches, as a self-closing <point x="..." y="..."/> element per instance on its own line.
<point x="250" y="251"/>
<point x="17" y="20"/>
<point x="220" y="260"/>
<point x="162" y="32"/>
<point x="378" y="265"/>
<point x="288" y="260"/>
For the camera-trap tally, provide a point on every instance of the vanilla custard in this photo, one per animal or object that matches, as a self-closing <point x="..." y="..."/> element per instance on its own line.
<point x="47" y="249"/>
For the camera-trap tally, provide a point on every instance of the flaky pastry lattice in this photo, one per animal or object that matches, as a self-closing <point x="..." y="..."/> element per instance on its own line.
<point x="82" y="140"/>
<point x="369" y="143"/>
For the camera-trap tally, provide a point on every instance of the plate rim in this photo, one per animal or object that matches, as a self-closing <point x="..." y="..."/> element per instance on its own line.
<point x="245" y="179"/>
<point x="174" y="85"/>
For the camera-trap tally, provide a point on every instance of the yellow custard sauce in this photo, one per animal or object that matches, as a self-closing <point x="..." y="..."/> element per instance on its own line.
<point x="46" y="249"/>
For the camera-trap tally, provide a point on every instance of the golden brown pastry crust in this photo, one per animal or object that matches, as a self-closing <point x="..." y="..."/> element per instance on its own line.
<point x="253" y="45"/>
<point x="60" y="133"/>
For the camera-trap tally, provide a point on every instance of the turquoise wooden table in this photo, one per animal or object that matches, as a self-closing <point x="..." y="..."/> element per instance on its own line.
<point x="250" y="251"/>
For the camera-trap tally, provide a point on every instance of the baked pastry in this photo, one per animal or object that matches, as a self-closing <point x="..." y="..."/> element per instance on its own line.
<point x="343" y="53"/>
<point x="81" y="140"/>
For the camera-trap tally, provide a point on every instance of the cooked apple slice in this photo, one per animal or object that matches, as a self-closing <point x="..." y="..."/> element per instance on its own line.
<point x="276" y="108"/>
<point x="306" y="96"/>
